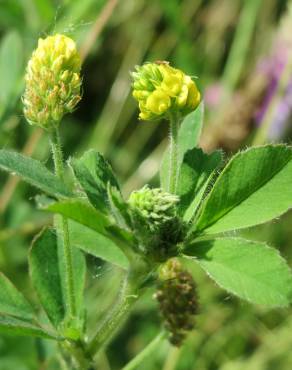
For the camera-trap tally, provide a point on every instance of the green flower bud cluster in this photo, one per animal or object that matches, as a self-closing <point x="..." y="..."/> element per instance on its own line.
<point x="52" y="81"/>
<point x="156" y="226"/>
<point x="161" y="89"/>
<point x="178" y="301"/>
<point x="155" y="206"/>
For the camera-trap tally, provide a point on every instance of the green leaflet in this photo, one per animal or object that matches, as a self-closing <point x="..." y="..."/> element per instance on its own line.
<point x="11" y="67"/>
<point x="250" y="270"/>
<point x="33" y="172"/>
<point x="13" y="326"/>
<point x="119" y="208"/>
<point x="82" y="212"/>
<point x="195" y="170"/>
<point x="254" y="187"/>
<point x="94" y="173"/>
<point x="96" y="244"/>
<point x="188" y="138"/>
<point x="12" y="301"/>
<point x="46" y="276"/>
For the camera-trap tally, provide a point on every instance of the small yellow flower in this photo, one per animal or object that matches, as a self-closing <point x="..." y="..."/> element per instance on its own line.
<point x="161" y="90"/>
<point x="158" y="102"/>
<point x="172" y="80"/>
<point x="52" y="81"/>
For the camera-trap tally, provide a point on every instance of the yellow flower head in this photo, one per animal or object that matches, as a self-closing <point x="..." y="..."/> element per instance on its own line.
<point x="52" y="81"/>
<point x="161" y="89"/>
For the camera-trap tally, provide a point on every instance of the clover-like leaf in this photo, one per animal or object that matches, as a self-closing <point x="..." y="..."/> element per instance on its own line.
<point x="96" y="244"/>
<point x="33" y="172"/>
<point x="195" y="171"/>
<point x="16" y="326"/>
<point x="94" y="173"/>
<point x="254" y="187"/>
<point x="12" y="301"/>
<point x="45" y="274"/>
<point x="248" y="269"/>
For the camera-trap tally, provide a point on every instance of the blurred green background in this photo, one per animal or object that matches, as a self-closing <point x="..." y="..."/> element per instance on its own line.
<point x="241" y="53"/>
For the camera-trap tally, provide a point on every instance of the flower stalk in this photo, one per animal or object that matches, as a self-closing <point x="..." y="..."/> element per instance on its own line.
<point x="63" y="228"/>
<point x="129" y="294"/>
<point x="173" y="153"/>
<point x="147" y="351"/>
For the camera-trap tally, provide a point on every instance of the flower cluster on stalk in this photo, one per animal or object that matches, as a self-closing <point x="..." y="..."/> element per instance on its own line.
<point x="178" y="301"/>
<point x="161" y="89"/>
<point x="52" y="81"/>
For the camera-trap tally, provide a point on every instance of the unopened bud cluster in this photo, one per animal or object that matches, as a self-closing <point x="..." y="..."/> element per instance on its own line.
<point x="177" y="300"/>
<point x="155" y="206"/>
<point x="161" y="89"/>
<point x="157" y="227"/>
<point x="52" y="81"/>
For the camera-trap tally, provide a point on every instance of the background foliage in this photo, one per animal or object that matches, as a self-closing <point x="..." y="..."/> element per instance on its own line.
<point x="240" y="50"/>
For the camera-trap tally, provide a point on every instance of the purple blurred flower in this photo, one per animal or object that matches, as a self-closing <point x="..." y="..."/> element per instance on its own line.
<point x="272" y="69"/>
<point x="213" y="95"/>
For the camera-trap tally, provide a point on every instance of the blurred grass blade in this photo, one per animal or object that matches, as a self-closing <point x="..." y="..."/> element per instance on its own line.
<point x="11" y="67"/>
<point x="240" y="46"/>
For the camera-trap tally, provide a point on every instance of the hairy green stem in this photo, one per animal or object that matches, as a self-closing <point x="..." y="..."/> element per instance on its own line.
<point x="63" y="228"/>
<point x="173" y="153"/>
<point x="146" y="352"/>
<point x="79" y="357"/>
<point x="128" y="296"/>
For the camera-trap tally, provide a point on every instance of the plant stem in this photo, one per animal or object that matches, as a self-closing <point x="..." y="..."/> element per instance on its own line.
<point x="147" y="351"/>
<point x="79" y="356"/>
<point x="63" y="228"/>
<point x="128" y="296"/>
<point x="172" y="358"/>
<point x="173" y="153"/>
